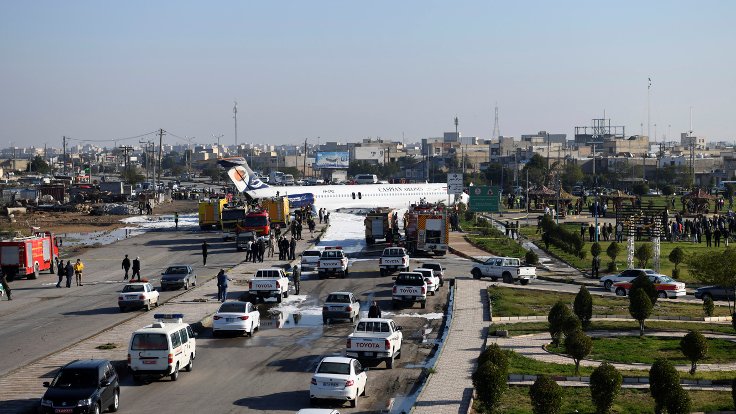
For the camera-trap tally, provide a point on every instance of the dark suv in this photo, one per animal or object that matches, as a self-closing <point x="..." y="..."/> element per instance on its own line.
<point x="83" y="386"/>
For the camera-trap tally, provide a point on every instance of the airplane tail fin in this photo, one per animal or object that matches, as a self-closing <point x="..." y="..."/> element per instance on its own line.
<point x="244" y="178"/>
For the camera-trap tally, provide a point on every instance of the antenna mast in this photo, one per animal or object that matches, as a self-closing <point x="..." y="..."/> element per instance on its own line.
<point x="496" y="132"/>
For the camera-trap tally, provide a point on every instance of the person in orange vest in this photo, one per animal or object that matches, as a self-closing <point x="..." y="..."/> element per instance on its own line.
<point x="78" y="268"/>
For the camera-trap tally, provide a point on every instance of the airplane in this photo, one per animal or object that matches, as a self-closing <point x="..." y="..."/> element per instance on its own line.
<point x="333" y="197"/>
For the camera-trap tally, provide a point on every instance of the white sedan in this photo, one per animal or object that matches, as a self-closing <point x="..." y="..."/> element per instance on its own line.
<point x="338" y="378"/>
<point x="433" y="282"/>
<point x="236" y="316"/>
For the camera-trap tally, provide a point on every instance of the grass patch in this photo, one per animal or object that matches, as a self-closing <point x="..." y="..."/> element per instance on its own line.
<point x="633" y="349"/>
<point x="520" y="364"/>
<point x="633" y="401"/>
<point x="584" y="264"/>
<point x="523" y="328"/>
<point x="493" y="240"/>
<point x="108" y="345"/>
<point x="527" y="302"/>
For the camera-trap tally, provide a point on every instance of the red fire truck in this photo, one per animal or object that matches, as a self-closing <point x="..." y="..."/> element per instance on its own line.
<point x="256" y="221"/>
<point x="28" y="256"/>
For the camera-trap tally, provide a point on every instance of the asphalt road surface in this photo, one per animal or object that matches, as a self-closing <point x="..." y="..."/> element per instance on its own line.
<point x="42" y="319"/>
<point x="270" y="372"/>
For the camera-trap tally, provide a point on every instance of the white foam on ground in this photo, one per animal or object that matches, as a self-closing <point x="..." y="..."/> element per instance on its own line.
<point x="163" y="221"/>
<point x="293" y="304"/>
<point x="346" y="230"/>
<point x="428" y="316"/>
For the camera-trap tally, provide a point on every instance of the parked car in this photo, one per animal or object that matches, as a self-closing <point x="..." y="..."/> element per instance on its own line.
<point x="310" y="258"/>
<point x="433" y="282"/>
<point x="236" y="316"/>
<point x="91" y="385"/>
<point x="338" y="378"/>
<point x="666" y="287"/>
<point x="626" y="276"/>
<point x="340" y="305"/>
<point x="138" y="295"/>
<point x="180" y="276"/>
<point x="438" y="270"/>
<point x="715" y="293"/>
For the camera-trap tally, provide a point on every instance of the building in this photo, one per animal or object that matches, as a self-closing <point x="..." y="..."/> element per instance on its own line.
<point x="687" y="140"/>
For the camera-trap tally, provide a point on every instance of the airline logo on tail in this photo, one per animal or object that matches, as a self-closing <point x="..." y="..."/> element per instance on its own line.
<point x="241" y="175"/>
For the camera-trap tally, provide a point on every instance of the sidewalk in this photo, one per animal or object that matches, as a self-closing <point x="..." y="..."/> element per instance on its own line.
<point x="23" y="388"/>
<point x="450" y="388"/>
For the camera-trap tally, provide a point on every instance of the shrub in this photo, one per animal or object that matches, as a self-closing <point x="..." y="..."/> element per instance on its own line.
<point x="695" y="347"/>
<point x="668" y="190"/>
<point x="612" y="252"/>
<point x="679" y="402"/>
<point x="531" y="258"/>
<point x="595" y="249"/>
<point x="733" y="391"/>
<point x="578" y="345"/>
<point x="605" y="384"/>
<point x="556" y="319"/>
<point x="495" y="355"/>
<point x="583" y="306"/>
<point x="733" y="321"/>
<point x="677" y="256"/>
<point x="640" y="307"/>
<point x="546" y="396"/>
<point x="562" y="238"/>
<point x="708" y="306"/>
<point x="490" y="382"/>
<point x="663" y="378"/>
<point x="643" y="282"/>
<point x="643" y="254"/>
<point x="640" y="189"/>
<point x="570" y="324"/>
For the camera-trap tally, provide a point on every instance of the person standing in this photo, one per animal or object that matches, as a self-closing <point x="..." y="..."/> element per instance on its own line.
<point x="374" y="311"/>
<point x="126" y="266"/>
<point x="78" y="269"/>
<point x="327" y="218"/>
<point x="271" y="241"/>
<point x="261" y="249"/>
<point x="297" y="276"/>
<point x="254" y="252"/>
<point x="4" y="284"/>
<point x="204" y="252"/>
<point x="176" y="220"/>
<point x="292" y="249"/>
<point x="69" y="272"/>
<point x="136" y="268"/>
<point x="61" y="272"/>
<point x="222" y="280"/>
<point x="248" y="247"/>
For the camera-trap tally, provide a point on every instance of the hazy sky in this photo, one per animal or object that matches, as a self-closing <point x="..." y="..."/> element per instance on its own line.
<point x="346" y="70"/>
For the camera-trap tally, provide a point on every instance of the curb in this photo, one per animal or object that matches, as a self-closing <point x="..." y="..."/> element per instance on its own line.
<point x="627" y="317"/>
<point x="726" y="384"/>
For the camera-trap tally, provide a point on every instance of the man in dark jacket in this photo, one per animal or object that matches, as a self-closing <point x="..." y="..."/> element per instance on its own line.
<point x="292" y="249"/>
<point x="374" y="311"/>
<point x="61" y="272"/>
<point x="69" y="270"/>
<point x="296" y="275"/>
<point x="222" y="280"/>
<point x="136" y="268"/>
<point x="204" y="253"/>
<point x="4" y="284"/>
<point x="126" y="266"/>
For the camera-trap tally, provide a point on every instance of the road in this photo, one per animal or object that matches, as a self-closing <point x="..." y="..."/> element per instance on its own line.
<point x="270" y="372"/>
<point x="42" y="319"/>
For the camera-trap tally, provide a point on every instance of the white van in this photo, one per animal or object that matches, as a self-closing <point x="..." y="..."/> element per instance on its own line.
<point x="162" y="348"/>
<point x="366" y="179"/>
<point x="288" y="179"/>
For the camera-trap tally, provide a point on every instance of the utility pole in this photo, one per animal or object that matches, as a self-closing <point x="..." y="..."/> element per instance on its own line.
<point x="160" y="149"/>
<point x="235" y="116"/>
<point x="63" y="160"/>
<point x="304" y="173"/>
<point x="457" y="137"/>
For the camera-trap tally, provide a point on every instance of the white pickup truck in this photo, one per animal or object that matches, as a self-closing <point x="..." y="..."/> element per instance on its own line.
<point x="333" y="262"/>
<point x="392" y="259"/>
<point x="375" y="339"/>
<point x="509" y="269"/>
<point x="269" y="283"/>
<point x="409" y="287"/>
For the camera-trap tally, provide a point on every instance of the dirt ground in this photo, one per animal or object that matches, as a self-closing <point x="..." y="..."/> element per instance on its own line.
<point x="77" y="222"/>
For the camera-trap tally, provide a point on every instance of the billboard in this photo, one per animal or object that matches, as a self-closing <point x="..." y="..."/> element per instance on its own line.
<point x="339" y="159"/>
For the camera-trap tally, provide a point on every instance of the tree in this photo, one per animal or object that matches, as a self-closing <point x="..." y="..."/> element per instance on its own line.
<point x="612" y="252"/>
<point x="708" y="306"/>
<point x="556" y="321"/>
<point x="578" y="345"/>
<point x="714" y="268"/>
<point x="570" y="324"/>
<point x="494" y="354"/>
<point x="678" y="401"/>
<point x="583" y="306"/>
<point x="531" y="258"/>
<point x="132" y="176"/>
<point x="695" y="347"/>
<point x="640" y="307"/>
<point x="643" y="282"/>
<point x="39" y="165"/>
<point x="536" y="167"/>
<point x="640" y="189"/>
<point x="663" y="378"/>
<point x="668" y="190"/>
<point x="677" y="256"/>
<point x="491" y="376"/>
<point x="605" y="384"/>
<point x="595" y="249"/>
<point x="643" y="253"/>
<point x="546" y="396"/>
<point x="572" y="174"/>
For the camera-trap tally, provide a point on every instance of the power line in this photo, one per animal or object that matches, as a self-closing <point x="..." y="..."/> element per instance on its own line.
<point x="113" y="139"/>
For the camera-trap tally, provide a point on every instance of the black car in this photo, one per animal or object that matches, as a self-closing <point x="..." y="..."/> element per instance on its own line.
<point x="179" y="276"/>
<point x="83" y="386"/>
<point x="715" y="293"/>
